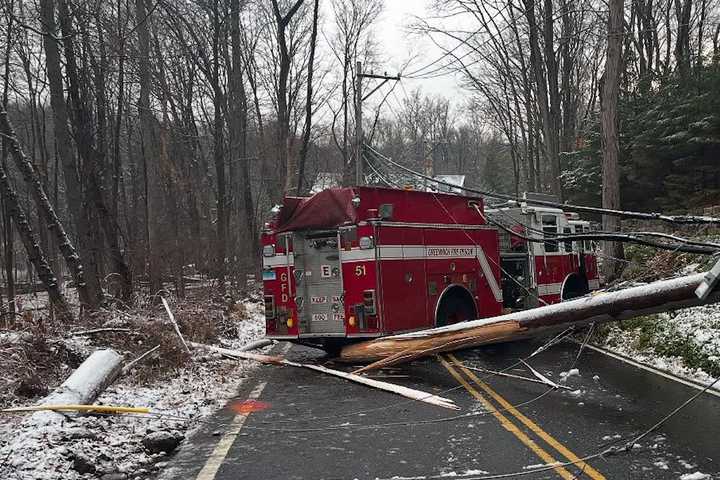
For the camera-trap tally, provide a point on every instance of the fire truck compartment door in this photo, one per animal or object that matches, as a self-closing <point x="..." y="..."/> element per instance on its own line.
<point x="319" y="283"/>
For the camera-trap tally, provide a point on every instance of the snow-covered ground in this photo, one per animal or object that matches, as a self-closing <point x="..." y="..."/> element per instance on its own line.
<point x="112" y="447"/>
<point x="685" y="343"/>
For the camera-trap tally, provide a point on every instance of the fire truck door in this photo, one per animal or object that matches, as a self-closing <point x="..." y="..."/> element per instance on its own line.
<point x="318" y="283"/>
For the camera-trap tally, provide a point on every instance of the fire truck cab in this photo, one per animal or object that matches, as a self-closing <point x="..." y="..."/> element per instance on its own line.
<point x="541" y="273"/>
<point x="362" y="262"/>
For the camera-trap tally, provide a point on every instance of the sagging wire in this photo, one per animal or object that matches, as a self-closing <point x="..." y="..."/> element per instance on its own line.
<point x="379" y="175"/>
<point x="686" y="245"/>
<point x="558" y="237"/>
<point x="507" y="274"/>
<point x="678" y="219"/>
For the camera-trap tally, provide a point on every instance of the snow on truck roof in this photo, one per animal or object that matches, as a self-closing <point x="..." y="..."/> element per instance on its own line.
<point x="335" y="207"/>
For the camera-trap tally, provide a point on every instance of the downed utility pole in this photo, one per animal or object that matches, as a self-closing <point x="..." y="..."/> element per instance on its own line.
<point x="655" y="297"/>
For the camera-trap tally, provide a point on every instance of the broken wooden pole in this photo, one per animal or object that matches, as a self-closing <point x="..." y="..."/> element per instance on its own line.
<point x="406" y="392"/>
<point x="633" y="302"/>
<point x="84" y="385"/>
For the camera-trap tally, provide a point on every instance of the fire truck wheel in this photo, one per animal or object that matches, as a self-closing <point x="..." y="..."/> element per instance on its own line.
<point x="574" y="286"/>
<point x="456" y="305"/>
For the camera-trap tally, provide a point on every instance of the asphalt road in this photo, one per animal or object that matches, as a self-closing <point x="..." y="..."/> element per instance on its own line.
<point x="304" y="425"/>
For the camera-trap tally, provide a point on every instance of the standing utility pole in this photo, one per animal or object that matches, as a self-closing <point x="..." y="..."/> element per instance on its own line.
<point x="359" y="99"/>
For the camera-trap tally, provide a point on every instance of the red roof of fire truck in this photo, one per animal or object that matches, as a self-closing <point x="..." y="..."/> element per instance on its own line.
<point x="367" y="261"/>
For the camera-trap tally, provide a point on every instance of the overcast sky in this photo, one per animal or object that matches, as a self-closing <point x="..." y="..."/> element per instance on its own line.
<point x="397" y="44"/>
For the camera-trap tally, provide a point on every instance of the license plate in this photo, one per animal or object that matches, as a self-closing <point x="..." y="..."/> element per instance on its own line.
<point x="319" y="317"/>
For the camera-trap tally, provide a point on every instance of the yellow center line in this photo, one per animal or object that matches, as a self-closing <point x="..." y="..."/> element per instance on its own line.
<point x="507" y="406"/>
<point x="506" y="423"/>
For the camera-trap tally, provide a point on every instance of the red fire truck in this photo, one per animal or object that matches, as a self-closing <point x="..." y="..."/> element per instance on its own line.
<point x="361" y="262"/>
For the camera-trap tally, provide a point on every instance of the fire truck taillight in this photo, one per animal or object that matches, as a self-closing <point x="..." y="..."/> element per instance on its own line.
<point x="369" y="302"/>
<point x="270" y="312"/>
<point x="269" y="251"/>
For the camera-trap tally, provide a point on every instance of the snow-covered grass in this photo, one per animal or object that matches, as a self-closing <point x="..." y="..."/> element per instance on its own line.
<point x="685" y="342"/>
<point x="87" y="447"/>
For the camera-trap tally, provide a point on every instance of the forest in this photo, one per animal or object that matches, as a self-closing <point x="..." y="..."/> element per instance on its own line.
<point x="145" y="142"/>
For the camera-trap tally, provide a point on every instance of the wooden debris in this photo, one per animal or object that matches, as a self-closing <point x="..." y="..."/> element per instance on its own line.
<point x="275" y="360"/>
<point x="172" y="319"/>
<point x="411" y="393"/>
<point x="127" y="367"/>
<point x="100" y="330"/>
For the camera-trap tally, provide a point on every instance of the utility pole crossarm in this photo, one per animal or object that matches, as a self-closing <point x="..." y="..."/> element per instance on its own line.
<point x="380" y="77"/>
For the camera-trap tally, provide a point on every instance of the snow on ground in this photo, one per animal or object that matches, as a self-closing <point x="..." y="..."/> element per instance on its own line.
<point x="88" y="447"/>
<point x="675" y="340"/>
<point x="695" y="476"/>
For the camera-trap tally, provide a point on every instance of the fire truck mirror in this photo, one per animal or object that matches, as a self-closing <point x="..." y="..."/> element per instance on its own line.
<point x="385" y="211"/>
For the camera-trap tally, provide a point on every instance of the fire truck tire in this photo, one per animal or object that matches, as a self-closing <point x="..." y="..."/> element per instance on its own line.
<point x="574" y="286"/>
<point x="456" y="305"/>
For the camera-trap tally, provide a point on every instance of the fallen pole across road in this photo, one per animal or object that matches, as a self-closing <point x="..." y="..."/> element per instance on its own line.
<point x="603" y="307"/>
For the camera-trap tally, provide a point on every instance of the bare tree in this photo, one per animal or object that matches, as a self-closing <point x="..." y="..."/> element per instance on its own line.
<point x="283" y="134"/>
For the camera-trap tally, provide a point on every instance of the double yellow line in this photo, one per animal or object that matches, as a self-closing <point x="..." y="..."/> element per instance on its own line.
<point x="506" y="406"/>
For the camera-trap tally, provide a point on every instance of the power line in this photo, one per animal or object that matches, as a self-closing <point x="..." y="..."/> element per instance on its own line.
<point x="674" y="219"/>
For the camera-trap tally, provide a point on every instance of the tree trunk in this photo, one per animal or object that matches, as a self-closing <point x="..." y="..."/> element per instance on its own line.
<point x="218" y="152"/>
<point x="91" y="296"/>
<point x="150" y="152"/>
<point x="308" y="101"/>
<point x="550" y="134"/>
<point x="609" y="94"/>
<point x="94" y="201"/>
<point x="238" y="132"/>
<point x="285" y="156"/>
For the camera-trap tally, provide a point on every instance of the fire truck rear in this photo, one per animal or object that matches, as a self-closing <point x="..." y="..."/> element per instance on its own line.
<point x="362" y="262"/>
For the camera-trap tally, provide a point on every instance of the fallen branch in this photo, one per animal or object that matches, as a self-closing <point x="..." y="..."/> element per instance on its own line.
<point x="172" y="319"/>
<point x="388" y="387"/>
<point x="127" y="367"/>
<point x="275" y="360"/>
<point x="100" y="330"/>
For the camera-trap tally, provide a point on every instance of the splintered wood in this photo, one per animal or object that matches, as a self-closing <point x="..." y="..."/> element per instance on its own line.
<point x="397" y="350"/>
